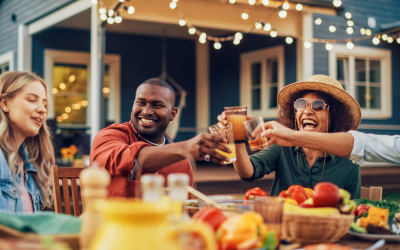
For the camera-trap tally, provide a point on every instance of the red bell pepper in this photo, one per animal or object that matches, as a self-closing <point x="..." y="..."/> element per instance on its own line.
<point x="211" y="215"/>
<point x="295" y="192"/>
<point x="254" y="192"/>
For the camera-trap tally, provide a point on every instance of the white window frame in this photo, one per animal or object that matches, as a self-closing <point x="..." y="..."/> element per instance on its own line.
<point x="385" y="57"/>
<point x="8" y="58"/>
<point x="73" y="57"/>
<point x="246" y="60"/>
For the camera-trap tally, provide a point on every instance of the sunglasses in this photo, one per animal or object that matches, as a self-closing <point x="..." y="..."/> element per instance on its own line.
<point x="317" y="105"/>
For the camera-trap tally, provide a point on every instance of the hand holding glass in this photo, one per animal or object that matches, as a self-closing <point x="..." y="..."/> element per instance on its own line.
<point x="254" y="128"/>
<point x="227" y="133"/>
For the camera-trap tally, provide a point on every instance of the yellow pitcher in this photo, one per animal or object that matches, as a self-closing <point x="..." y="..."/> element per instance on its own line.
<point x="132" y="224"/>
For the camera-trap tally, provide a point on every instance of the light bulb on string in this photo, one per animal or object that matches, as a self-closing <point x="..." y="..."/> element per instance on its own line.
<point x="349" y="30"/>
<point x="203" y="38"/>
<point x="286" y="5"/>
<point x="252" y="2"/>
<point x="122" y="1"/>
<point x="332" y="28"/>
<point x="238" y="36"/>
<point x="175" y="1"/>
<point x="94" y="1"/>
<point x="348" y="15"/>
<point x="273" y="33"/>
<point x="267" y="27"/>
<point x="398" y="40"/>
<point x="328" y="46"/>
<point x="318" y="21"/>
<point x="362" y="31"/>
<point x="110" y="20"/>
<point x="307" y="44"/>
<point x="350" y="23"/>
<point x="192" y="31"/>
<point x="390" y="39"/>
<point x="337" y="3"/>
<point x="384" y="37"/>
<point x="217" y="45"/>
<point x="103" y="17"/>
<point x="376" y="40"/>
<point x="265" y="2"/>
<point x="258" y="25"/>
<point x="110" y="12"/>
<point x="118" y="18"/>
<point x="182" y="22"/>
<point x="245" y="15"/>
<point x="68" y="109"/>
<point x="131" y="10"/>
<point x="289" y="40"/>
<point x="282" y="13"/>
<point x="173" y="5"/>
<point x="299" y="7"/>
<point x="102" y="10"/>
<point x="236" y="41"/>
<point x="368" y="32"/>
<point x="232" y="1"/>
<point x="350" y="45"/>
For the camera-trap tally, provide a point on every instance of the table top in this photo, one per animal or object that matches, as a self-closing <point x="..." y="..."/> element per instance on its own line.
<point x="357" y="243"/>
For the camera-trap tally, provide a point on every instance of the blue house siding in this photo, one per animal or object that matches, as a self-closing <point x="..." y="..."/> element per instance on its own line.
<point x="140" y="60"/>
<point x="225" y="69"/>
<point x="384" y="12"/>
<point x="26" y="11"/>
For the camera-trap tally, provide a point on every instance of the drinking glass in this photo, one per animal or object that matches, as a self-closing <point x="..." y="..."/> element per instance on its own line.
<point x="271" y="209"/>
<point x="236" y="116"/>
<point x="256" y="142"/>
<point x="227" y="133"/>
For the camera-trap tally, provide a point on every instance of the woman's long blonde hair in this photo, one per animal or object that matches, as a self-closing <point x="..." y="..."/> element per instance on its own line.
<point x="40" y="147"/>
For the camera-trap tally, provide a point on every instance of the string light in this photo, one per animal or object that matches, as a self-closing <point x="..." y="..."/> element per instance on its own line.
<point x="318" y="21"/>
<point x="192" y="31"/>
<point x="350" y="45"/>
<point x="328" y="46"/>
<point x="362" y="30"/>
<point x="286" y="5"/>
<point x="376" y="40"/>
<point x="267" y="27"/>
<point x="122" y="1"/>
<point x="118" y="18"/>
<point x="59" y="119"/>
<point x="182" y="22"/>
<point x="110" y="20"/>
<point x="102" y="10"/>
<point x="384" y="37"/>
<point x="110" y="13"/>
<point x="54" y="91"/>
<point x="289" y="40"/>
<point x="350" y="23"/>
<point x="94" y="1"/>
<point x="232" y="1"/>
<point x="252" y="2"/>
<point x="398" y="40"/>
<point x="238" y="36"/>
<point x="236" y="41"/>
<point x="65" y="116"/>
<point x="273" y="33"/>
<point x="337" y="3"/>
<point x="245" y="15"/>
<point x="175" y="1"/>
<point x="332" y="28"/>
<point x="368" y="32"/>
<point x="349" y="30"/>
<point x="76" y="106"/>
<point x="131" y="10"/>
<point x="282" y="13"/>
<point x="84" y="103"/>
<point x="173" y="5"/>
<point x="217" y="45"/>
<point x="299" y="7"/>
<point x="390" y="39"/>
<point x="103" y="17"/>
<point x="258" y="25"/>
<point x="265" y="2"/>
<point x="348" y="15"/>
<point x="203" y="38"/>
<point x="68" y="110"/>
<point x="307" y="44"/>
<point x="62" y="86"/>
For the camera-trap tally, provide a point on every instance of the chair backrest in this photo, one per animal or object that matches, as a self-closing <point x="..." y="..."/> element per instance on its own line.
<point x="65" y="174"/>
<point x="372" y="193"/>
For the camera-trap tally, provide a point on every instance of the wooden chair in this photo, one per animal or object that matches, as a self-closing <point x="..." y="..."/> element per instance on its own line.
<point x="65" y="174"/>
<point x="372" y="193"/>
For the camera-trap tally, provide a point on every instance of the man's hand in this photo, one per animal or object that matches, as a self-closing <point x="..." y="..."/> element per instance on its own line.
<point x="204" y="144"/>
<point x="222" y="119"/>
<point x="278" y="134"/>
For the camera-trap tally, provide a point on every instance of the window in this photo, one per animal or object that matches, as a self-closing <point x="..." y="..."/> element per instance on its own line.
<point x="365" y="73"/>
<point x="6" y="62"/>
<point x="262" y="76"/>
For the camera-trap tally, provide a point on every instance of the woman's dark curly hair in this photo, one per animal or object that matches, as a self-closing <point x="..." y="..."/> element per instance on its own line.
<point x="340" y="117"/>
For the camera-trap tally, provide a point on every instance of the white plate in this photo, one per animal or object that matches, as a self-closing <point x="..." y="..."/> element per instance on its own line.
<point x="375" y="237"/>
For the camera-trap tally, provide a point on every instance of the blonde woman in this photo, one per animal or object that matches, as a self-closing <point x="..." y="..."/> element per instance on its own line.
<point x="26" y="148"/>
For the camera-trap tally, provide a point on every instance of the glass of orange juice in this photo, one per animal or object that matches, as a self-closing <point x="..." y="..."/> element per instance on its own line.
<point x="236" y="116"/>
<point x="227" y="133"/>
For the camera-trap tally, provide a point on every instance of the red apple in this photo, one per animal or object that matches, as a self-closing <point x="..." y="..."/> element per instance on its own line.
<point x="326" y="194"/>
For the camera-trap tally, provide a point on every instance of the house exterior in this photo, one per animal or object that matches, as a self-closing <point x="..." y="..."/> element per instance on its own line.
<point x="59" y="41"/>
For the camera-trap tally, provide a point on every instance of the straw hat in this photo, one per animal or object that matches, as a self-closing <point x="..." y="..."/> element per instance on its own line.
<point x="327" y="85"/>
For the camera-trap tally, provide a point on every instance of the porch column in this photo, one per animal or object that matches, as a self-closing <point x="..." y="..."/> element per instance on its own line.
<point x="24" y="49"/>
<point x="308" y="54"/>
<point x="202" y="88"/>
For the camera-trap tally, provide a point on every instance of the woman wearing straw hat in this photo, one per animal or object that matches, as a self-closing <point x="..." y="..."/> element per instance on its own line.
<point x="317" y="105"/>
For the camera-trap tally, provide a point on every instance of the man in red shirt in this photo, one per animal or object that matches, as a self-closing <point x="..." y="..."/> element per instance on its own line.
<point x="141" y="146"/>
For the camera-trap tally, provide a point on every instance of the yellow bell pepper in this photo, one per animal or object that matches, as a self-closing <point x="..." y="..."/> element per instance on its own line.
<point x="244" y="231"/>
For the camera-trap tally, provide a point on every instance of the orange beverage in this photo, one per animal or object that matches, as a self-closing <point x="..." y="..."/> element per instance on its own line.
<point x="258" y="143"/>
<point x="231" y="156"/>
<point x="226" y="133"/>
<point x="236" y="116"/>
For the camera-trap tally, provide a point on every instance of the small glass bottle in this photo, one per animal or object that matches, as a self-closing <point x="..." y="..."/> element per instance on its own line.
<point x="178" y="194"/>
<point x="152" y="186"/>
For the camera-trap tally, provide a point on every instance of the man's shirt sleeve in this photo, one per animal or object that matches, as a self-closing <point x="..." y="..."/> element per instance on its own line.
<point x="375" y="148"/>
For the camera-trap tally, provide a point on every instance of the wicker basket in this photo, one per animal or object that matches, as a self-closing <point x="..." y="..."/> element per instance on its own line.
<point x="313" y="228"/>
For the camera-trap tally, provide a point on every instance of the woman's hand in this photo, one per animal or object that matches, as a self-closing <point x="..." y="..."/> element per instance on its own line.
<point x="276" y="133"/>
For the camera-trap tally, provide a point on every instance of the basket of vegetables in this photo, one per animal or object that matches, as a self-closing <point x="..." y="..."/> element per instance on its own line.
<point x="316" y="216"/>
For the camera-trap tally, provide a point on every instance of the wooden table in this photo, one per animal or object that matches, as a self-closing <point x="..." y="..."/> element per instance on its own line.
<point x="357" y="243"/>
